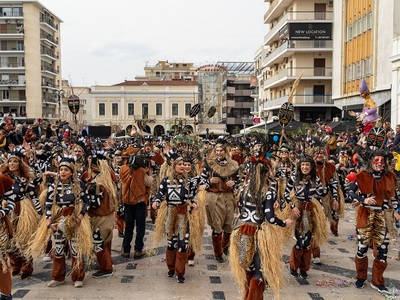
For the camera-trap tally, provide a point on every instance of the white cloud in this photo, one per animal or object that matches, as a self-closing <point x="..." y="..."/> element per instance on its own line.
<point x="105" y="42"/>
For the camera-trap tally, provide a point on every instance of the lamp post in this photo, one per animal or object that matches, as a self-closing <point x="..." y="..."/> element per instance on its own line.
<point x="59" y="94"/>
<point x="244" y="121"/>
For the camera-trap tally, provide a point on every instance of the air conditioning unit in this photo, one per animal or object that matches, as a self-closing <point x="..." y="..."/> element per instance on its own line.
<point x="330" y="3"/>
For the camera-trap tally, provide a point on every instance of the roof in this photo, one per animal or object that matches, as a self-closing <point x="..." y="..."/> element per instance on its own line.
<point x="238" y="67"/>
<point x="158" y="83"/>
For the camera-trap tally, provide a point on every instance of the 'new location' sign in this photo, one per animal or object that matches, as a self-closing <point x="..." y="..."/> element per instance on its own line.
<point x="310" y="31"/>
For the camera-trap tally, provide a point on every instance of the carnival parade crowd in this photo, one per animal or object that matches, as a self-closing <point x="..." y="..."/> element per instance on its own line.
<point x="63" y="194"/>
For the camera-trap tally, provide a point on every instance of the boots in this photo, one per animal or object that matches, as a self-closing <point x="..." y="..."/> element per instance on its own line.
<point x="256" y="290"/>
<point x="378" y="267"/>
<point x="226" y="242"/>
<point x="217" y="245"/>
<point x="171" y="257"/>
<point x="249" y="276"/>
<point x="361" y="267"/>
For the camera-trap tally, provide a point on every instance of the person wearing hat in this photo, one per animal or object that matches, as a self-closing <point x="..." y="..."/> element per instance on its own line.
<point x="221" y="175"/>
<point x="66" y="206"/>
<point x="178" y="195"/>
<point x="26" y="213"/>
<point x="6" y="234"/>
<point x="284" y="168"/>
<point x="373" y="191"/>
<point x="101" y="184"/>
<point x="253" y="241"/>
<point x="310" y="224"/>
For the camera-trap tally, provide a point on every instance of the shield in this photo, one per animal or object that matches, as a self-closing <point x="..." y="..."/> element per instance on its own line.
<point x="286" y="113"/>
<point x="211" y="112"/>
<point x="376" y="138"/>
<point x="73" y="104"/>
<point x="194" y="110"/>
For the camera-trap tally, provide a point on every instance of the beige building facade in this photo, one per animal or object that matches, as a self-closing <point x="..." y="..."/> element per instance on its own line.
<point x="155" y="107"/>
<point x="30" y="57"/>
<point x="299" y="41"/>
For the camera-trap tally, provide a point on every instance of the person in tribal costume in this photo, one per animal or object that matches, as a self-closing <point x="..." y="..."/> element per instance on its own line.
<point x="66" y="217"/>
<point x="221" y="175"/>
<point x="26" y="214"/>
<point x="255" y="245"/>
<point x="6" y="234"/>
<point x="303" y="193"/>
<point x="333" y="201"/>
<point x="119" y="215"/>
<point x="376" y="187"/>
<point x="101" y="183"/>
<point x="283" y="169"/>
<point x="199" y="186"/>
<point x="176" y="197"/>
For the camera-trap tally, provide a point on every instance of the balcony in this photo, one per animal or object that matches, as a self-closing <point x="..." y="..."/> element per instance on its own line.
<point x="48" y="22"/>
<point x="50" y="100"/>
<point x="300" y="17"/>
<point x="290" y="74"/>
<point x="277" y="8"/>
<point x="49" y="70"/>
<point x="289" y="48"/>
<point x="12" y="50"/>
<point x="50" y="54"/>
<point x="49" y="39"/>
<point x="299" y="100"/>
<point x="12" y="33"/>
<point x="12" y="83"/>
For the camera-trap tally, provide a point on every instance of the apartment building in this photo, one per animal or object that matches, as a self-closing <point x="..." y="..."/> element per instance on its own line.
<point x="153" y="107"/>
<point x="299" y="41"/>
<point x="30" y="57"/>
<point x="365" y="45"/>
<point x="165" y="70"/>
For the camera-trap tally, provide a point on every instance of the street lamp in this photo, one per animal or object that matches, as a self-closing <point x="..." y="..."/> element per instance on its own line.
<point x="59" y="94"/>
<point x="244" y="121"/>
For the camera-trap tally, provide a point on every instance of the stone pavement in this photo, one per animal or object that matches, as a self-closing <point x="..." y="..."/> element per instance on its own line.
<point x="146" y="279"/>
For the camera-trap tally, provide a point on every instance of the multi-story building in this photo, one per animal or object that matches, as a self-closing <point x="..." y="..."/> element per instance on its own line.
<point x="30" y="59"/>
<point x="164" y="70"/>
<point x="154" y="107"/>
<point x="364" y="32"/>
<point x="299" y="41"/>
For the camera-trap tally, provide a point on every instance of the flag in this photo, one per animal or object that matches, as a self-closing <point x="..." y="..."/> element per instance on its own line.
<point x="253" y="81"/>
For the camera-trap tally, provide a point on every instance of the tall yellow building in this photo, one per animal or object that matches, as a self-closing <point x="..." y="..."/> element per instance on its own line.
<point x="30" y="56"/>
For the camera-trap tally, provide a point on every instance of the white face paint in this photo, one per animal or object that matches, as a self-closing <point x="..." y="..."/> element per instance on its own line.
<point x="378" y="163"/>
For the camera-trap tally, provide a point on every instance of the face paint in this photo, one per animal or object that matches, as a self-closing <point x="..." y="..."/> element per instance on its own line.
<point x="378" y="163"/>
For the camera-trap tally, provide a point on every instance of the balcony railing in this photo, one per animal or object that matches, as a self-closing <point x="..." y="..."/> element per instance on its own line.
<point x="50" y="38"/>
<point x="298" y="99"/>
<point x="12" y="82"/>
<point x="291" y="47"/>
<point x="49" y="53"/>
<point x="292" y="73"/>
<point x="48" y="21"/>
<point x="296" y="16"/>
<point x="48" y="69"/>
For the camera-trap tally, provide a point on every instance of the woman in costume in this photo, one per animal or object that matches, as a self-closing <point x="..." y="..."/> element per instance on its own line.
<point x="377" y="188"/>
<point x="256" y="247"/>
<point x="303" y="193"/>
<point x="199" y="185"/>
<point x="173" y="217"/>
<point x="66" y="220"/>
<point x="26" y="214"/>
<point x="6" y="233"/>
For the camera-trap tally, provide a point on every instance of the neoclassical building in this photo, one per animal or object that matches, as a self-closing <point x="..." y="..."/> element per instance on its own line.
<point x="153" y="106"/>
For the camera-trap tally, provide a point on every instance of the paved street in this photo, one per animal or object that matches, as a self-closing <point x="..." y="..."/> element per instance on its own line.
<point x="146" y="278"/>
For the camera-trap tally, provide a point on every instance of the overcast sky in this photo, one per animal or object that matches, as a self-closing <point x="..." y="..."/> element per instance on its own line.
<point x="106" y="42"/>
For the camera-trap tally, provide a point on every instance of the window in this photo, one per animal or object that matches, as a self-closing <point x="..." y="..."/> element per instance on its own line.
<point x="102" y="109"/>
<point x="6" y="94"/>
<point x="175" y="109"/>
<point x="131" y="109"/>
<point x="369" y="20"/>
<point x="158" y="109"/>
<point x="114" y="109"/>
<point x="83" y="101"/>
<point x="145" y="110"/>
<point x="188" y="106"/>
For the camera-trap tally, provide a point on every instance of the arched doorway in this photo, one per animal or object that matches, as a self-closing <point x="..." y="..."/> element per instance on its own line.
<point x="159" y="130"/>
<point x="188" y="128"/>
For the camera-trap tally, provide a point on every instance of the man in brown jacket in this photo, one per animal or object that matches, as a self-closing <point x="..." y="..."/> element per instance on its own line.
<point x="135" y="184"/>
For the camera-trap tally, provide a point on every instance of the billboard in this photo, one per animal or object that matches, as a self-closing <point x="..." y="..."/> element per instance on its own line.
<point x="310" y="31"/>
